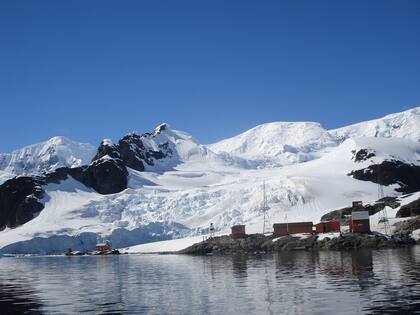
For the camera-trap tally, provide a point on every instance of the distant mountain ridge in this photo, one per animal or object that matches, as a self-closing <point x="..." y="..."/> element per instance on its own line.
<point x="46" y="156"/>
<point x="282" y="143"/>
<point x="405" y="125"/>
<point x="270" y="144"/>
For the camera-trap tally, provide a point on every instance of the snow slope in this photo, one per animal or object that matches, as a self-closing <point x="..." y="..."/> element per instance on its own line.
<point x="303" y="167"/>
<point x="399" y="125"/>
<point x="182" y="147"/>
<point x="46" y="156"/>
<point x="278" y="143"/>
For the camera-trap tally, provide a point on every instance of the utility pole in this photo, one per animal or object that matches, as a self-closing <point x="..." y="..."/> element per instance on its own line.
<point x="266" y="223"/>
<point x="383" y="217"/>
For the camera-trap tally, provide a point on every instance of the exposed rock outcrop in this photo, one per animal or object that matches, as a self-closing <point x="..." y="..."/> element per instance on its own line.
<point x="409" y="210"/>
<point x="356" y="241"/>
<point x="107" y="174"/>
<point x="391" y="172"/>
<point x="372" y="208"/>
<point x="363" y="155"/>
<point x="134" y="153"/>
<point x="260" y="244"/>
<point x="20" y="200"/>
<point x="405" y="228"/>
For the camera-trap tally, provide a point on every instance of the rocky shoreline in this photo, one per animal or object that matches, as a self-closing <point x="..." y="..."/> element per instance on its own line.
<point x="260" y="244"/>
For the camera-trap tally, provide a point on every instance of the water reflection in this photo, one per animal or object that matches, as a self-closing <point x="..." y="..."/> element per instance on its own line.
<point x="361" y="282"/>
<point x="362" y="267"/>
<point x="239" y="265"/>
<point x="16" y="298"/>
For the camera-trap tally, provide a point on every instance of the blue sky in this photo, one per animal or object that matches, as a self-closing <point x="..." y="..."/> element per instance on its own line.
<point x="98" y="69"/>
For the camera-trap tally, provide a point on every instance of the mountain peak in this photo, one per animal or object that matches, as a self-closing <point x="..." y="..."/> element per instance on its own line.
<point x="46" y="156"/>
<point x="278" y="142"/>
<point x="162" y="127"/>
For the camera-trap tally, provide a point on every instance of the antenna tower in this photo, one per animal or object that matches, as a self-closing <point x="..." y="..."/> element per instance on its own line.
<point x="266" y="223"/>
<point x="383" y="217"/>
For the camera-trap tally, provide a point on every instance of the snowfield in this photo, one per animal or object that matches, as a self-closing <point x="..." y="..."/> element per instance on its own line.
<point x="303" y="167"/>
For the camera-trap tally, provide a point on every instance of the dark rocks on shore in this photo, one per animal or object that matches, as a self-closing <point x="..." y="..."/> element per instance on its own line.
<point x="356" y="241"/>
<point x="379" y="205"/>
<point x="404" y="229"/>
<point x="225" y="244"/>
<point x="259" y="244"/>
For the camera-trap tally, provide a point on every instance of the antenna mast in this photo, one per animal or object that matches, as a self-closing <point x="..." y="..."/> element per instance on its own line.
<point x="383" y="217"/>
<point x="266" y="223"/>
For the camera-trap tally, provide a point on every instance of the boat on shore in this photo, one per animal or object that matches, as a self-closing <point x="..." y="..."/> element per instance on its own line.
<point x="101" y="249"/>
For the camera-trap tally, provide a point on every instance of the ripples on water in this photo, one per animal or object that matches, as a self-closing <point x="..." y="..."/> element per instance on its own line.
<point x="362" y="282"/>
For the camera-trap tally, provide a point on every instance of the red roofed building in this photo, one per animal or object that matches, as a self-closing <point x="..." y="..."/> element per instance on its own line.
<point x="238" y="231"/>
<point x="328" y="226"/>
<point x="281" y="229"/>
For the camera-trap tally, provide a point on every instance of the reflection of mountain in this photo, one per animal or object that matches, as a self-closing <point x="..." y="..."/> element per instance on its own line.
<point x="300" y="282"/>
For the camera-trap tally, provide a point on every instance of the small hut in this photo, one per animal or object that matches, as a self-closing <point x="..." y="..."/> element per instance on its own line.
<point x="238" y="231"/>
<point x="359" y="222"/>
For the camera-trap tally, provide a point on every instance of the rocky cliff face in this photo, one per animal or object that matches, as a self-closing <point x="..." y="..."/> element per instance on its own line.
<point x="20" y="200"/>
<point x="20" y="197"/>
<point x="391" y="172"/>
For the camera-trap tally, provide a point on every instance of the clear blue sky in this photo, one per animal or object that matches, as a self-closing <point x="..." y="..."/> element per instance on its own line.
<point x="98" y="69"/>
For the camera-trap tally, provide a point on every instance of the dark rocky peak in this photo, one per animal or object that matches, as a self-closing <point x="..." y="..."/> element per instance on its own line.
<point x="133" y="152"/>
<point x="138" y="150"/>
<point x="106" y="175"/>
<point x="107" y="148"/>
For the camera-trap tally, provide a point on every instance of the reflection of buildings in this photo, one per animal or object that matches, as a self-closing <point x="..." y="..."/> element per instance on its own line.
<point x="239" y="266"/>
<point x="331" y="264"/>
<point x="362" y="266"/>
<point x="300" y="263"/>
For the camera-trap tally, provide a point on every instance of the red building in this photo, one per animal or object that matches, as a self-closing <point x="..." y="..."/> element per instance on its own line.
<point x="328" y="226"/>
<point x="103" y="247"/>
<point x="281" y="229"/>
<point x="238" y="231"/>
<point x="357" y="204"/>
<point x="359" y="222"/>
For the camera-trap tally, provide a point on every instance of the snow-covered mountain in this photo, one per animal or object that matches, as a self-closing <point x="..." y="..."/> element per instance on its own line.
<point x="283" y="143"/>
<point x="399" y="125"/>
<point x="170" y="186"/>
<point x="46" y="156"/>
<point x="278" y="143"/>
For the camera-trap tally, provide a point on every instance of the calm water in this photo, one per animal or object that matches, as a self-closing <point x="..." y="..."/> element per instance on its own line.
<point x="360" y="282"/>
